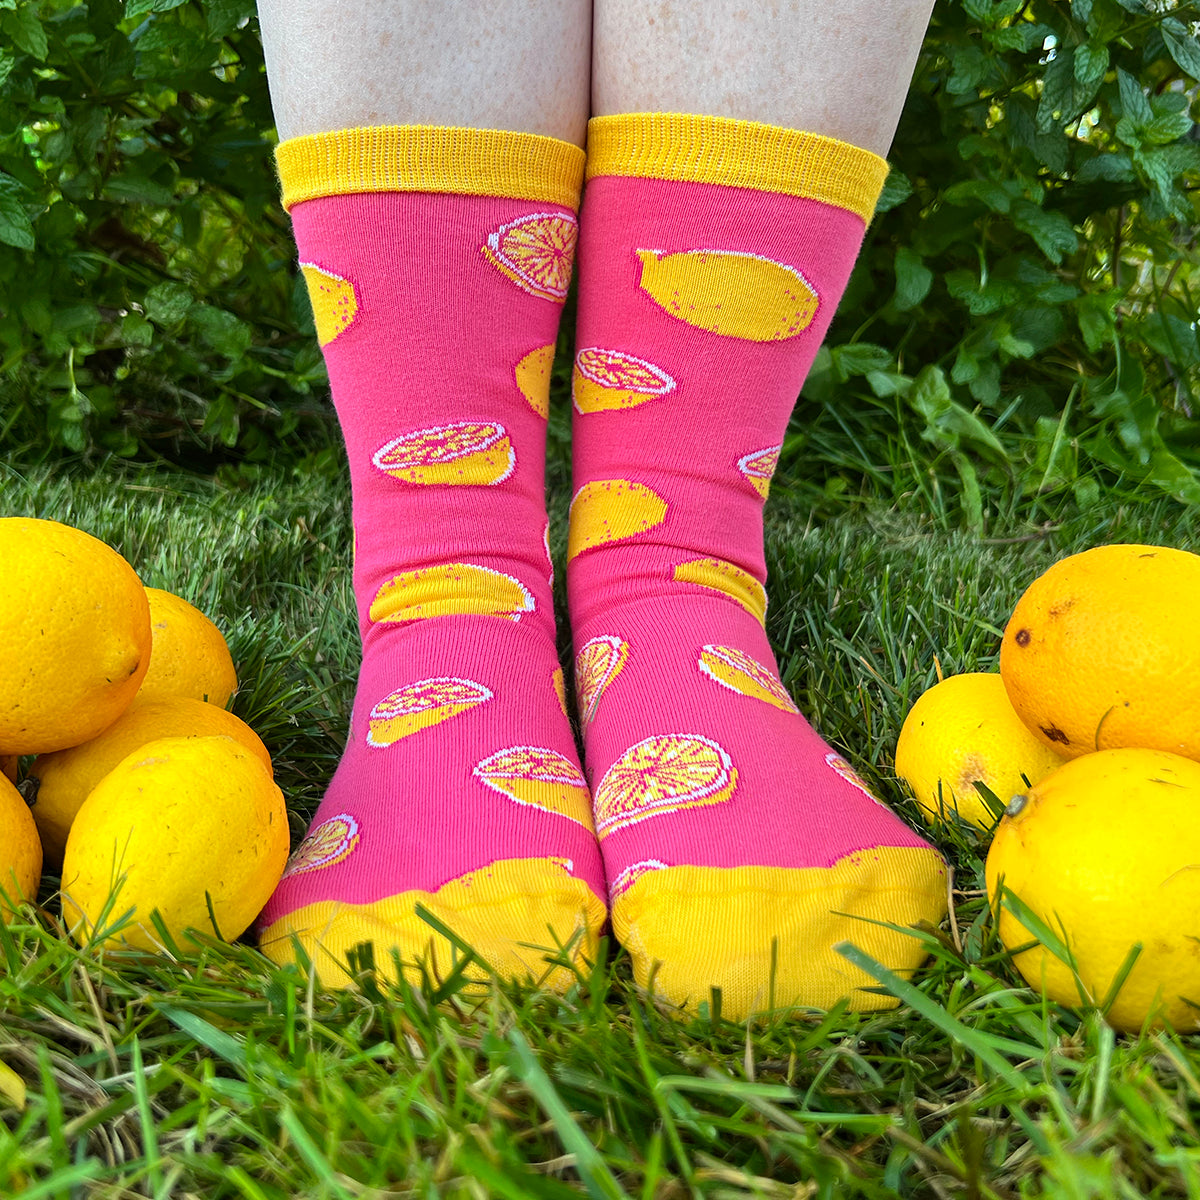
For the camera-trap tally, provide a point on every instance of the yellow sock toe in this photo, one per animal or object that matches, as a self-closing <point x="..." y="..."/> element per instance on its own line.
<point x="692" y="929"/>
<point x="512" y="913"/>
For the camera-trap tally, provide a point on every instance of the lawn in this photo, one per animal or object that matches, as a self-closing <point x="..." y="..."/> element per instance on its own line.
<point x="216" y="1074"/>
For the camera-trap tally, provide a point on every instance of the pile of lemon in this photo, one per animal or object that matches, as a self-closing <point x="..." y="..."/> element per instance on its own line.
<point x="1091" y="735"/>
<point x="158" y="805"/>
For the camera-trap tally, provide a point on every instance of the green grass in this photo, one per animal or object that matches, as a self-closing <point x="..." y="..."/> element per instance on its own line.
<point x="217" y="1074"/>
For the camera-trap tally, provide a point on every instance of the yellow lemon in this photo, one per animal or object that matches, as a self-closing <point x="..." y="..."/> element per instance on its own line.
<point x="729" y="292"/>
<point x="961" y="730"/>
<point x="1101" y="651"/>
<point x="1105" y="851"/>
<point x="180" y="826"/>
<point x="64" y="778"/>
<point x="188" y="655"/>
<point x="607" y="510"/>
<point x="334" y="302"/>
<point x="74" y="615"/>
<point x="20" y="850"/>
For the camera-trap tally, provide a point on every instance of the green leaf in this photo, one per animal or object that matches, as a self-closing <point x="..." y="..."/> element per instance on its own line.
<point x="130" y="188"/>
<point x="224" y="16"/>
<point x="168" y="303"/>
<point x="913" y="279"/>
<point x="139" y="8"/>
<point x="896" y="189"/>
<point x="1182" y="45"/>
<point x="1091" y="62"/>
<point x="1167" y="128"/>
<point x="1057" y="103"/>
<point x="16" y="229"/>
<point x="860" y="358"/>
<point x="26" y="31"/>
<point x="1134" y="105"/>
<point x="1054" y="234"/>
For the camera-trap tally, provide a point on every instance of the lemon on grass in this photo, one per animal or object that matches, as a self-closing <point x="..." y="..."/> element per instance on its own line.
<point x="1105" y="851"/>
<point x="964" y="730"/>
<point x="182" y="826"/>
<point x="189" y="655"/>
<point x="75" y="624"/>
<point x="64" y="778"/>
<point x="1101" y="651"/>
<point x="20" y="850"/>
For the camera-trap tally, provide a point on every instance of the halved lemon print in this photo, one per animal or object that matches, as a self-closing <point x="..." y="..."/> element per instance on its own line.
<point x="559" y="684"/>
<point x="728" y="292"/>
<point x="607" y="510"/>
<point x="326" y="844"/>
<point x="536" y="252"/>
<point x="334" y="302"/>
<point x="608" y="379"/>
<point x="419" y="705"/>
<point x="549" y="554"/>
<point x="663" y="774"/>
<point x="541" y="778"/>
<point x="740" y="673"/>
<point x="532" y="374"/>
<point x="758" y="468"/>
<point x="466" y="452"/>
<point x="632" y="873"/>
<point x="596" y="666"/>
<point x="836" y="763"/>
<point x="450" y="589"/>
<point x="722" y="576"/>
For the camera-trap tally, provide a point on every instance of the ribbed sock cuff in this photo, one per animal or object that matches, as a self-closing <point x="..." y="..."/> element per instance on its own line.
<point x="430" y="158"/>
<point x="701" y="149"/>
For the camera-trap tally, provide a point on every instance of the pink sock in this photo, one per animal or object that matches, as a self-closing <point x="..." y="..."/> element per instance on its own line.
<point x="437" y="261"/>
<point x="739" y="847"/>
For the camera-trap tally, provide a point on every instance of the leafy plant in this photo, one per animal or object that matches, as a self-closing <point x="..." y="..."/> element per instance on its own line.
<point x="1037" y="258"/>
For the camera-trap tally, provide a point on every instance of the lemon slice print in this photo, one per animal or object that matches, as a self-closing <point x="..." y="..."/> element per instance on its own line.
<point x="728" y="292"/>
<point x="607" y="510"/>
<point x="452" y="589"/>
<point x="721" y="576"/>
<point x="632" y="873"/>
<point x="466" y="452"/>
<point x="532" y="374"/>
<point x="663" y="774"/>
<point x="326" y="844"/>
<point x="839" y="766"/>
<point x="540" y="778"/>
<point x="334" y="302"/>
<point x="758" y="468"/>
<point x="608" y="379"/>
<point x="419" y="705"/>
<point x="536" y="252"/>
<point x="740" y="673"/>
<point x="596" y="666"/>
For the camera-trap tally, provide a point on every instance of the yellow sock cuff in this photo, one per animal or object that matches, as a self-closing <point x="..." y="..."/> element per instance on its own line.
<point x="747" y="154"/>
<point x="430" y="158"/>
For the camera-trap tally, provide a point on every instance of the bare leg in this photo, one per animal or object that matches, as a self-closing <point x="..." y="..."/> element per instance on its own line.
<point x="493" y="65"/>
<point x="839" y="69"/>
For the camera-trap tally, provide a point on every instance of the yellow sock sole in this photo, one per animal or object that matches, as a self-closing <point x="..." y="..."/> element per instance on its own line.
<point x="690" y="929"/>
<point x="512" y="913"/>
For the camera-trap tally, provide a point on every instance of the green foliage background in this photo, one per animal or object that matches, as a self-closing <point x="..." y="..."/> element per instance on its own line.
<point x="1022" y="322"/>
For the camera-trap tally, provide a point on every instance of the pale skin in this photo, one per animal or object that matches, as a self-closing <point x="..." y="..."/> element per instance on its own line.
<point x="544" y="66"/>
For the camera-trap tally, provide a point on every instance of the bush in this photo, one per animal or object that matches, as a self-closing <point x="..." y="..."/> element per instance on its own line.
<point x="1023" y="315"/>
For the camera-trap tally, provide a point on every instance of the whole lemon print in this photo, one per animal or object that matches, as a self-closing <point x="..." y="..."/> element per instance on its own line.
<point x="1104" y="851"/>
<point x="75" y="616"/>
<point x="20" y="850"/>
<point x="64" y="778"/>
<point x="188" y="655"/>
<point x="964" y="730"/>
<point x="1101" y="651"/>
<point x="179" y="825"/>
